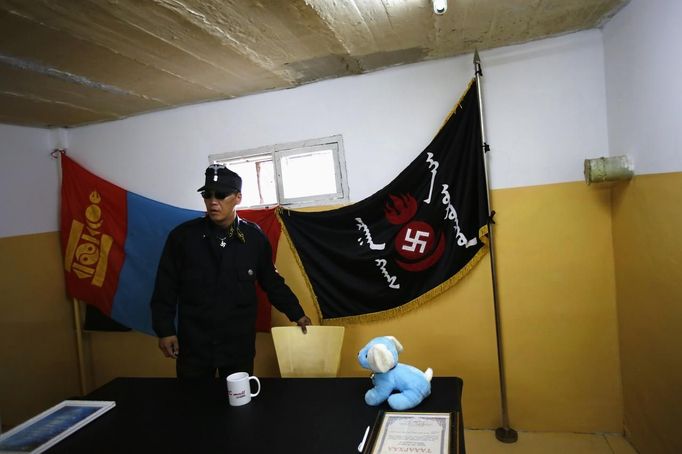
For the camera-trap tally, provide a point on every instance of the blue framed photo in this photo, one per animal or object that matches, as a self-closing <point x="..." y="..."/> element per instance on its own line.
<point x="44" y="430"/>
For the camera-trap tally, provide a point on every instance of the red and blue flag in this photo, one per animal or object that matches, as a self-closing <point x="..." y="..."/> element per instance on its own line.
<point x="112" y="240"/>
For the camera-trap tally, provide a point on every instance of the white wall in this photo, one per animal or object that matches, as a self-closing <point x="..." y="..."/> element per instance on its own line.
<point x="544" y="103"/>
<point x="29" y="181"/>
<point x="545" y="109"/>
<point x="644" y="84"/>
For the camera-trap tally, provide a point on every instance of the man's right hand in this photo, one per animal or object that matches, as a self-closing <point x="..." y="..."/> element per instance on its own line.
<point x="169" y="346"/>
<point x="303" y="322"/>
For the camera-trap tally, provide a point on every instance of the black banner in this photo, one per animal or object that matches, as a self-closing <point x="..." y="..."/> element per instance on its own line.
<point x="409" y="241"/>
<point x="95" y="320"/>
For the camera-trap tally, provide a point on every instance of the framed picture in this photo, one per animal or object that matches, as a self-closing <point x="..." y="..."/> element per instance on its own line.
<point x="44" y="430"/>
<point x="414" y="432"/>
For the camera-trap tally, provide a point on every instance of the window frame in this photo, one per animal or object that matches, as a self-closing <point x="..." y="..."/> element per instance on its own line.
<point x="278" y="151"/>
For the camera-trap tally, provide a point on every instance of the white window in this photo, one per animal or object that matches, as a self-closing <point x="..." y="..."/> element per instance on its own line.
<point x="292" y="174"/>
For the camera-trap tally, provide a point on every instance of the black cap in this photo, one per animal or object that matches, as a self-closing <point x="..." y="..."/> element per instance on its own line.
<point x="220" y="178"/>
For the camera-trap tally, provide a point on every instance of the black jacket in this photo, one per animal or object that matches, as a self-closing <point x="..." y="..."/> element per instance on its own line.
<point x="213" y="291"/>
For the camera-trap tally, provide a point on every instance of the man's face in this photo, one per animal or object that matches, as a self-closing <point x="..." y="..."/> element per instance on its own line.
<point x="221" y="211"/>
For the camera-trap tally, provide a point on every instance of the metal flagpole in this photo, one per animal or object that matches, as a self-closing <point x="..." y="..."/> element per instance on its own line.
<point x="505" y="433"/>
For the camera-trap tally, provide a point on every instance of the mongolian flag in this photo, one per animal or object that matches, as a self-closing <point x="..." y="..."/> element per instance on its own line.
<point x="408" y="242"/>
<point x="112" y="240"/>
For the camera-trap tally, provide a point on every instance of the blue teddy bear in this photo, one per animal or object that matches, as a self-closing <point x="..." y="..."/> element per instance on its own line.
<point x="380" y="356"/>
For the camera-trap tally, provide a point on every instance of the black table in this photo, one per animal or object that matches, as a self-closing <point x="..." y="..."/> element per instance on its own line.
<point x="301" y="415"/>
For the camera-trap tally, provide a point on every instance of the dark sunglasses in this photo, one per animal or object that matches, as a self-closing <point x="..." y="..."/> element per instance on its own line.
<point x="218" y="195"/>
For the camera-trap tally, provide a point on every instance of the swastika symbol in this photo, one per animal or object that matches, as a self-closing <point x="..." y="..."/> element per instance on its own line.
<point x="412" y="242"/>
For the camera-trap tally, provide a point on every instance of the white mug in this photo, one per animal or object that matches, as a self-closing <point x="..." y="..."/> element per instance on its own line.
<point x="239" y="388"/>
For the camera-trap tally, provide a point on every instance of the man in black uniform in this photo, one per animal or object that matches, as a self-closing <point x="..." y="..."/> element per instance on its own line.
<point x="207" y="276"/>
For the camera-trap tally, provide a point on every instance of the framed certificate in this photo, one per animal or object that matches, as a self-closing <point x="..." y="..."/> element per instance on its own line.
<point x="396" y="432"/>
<point x="44" y="430"/>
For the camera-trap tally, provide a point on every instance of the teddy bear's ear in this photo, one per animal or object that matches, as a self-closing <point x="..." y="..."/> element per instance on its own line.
<point x="380" y="358"/>
<point x="398" y="345"/>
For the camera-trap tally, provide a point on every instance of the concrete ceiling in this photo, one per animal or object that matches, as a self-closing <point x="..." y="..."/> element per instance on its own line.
<point x="74" y="62"/>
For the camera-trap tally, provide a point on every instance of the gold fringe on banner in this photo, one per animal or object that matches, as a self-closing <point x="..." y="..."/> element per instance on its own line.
<point x="278" y="213"/>
<point x="457" y="106"/>
<point x="415" y="303"/>
<point x="396" y="311"/>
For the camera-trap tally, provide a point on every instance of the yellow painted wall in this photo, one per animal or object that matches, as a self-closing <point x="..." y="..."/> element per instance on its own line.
<point x="557" y="289"/>
<point x="647" y="226"/>
<point x="37" y="342"/>
<point x="558" y="309"/>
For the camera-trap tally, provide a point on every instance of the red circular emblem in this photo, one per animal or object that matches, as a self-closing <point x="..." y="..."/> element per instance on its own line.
<point x="415" y="240"/>
<point x="419" y="245"/>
